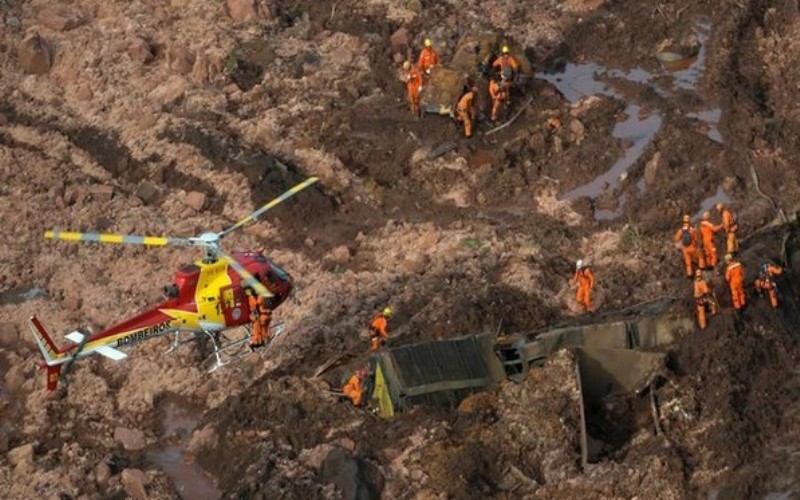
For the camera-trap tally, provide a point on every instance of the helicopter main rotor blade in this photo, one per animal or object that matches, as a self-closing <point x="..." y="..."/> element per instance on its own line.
<point x="248" y="280"/>
<point x="258" y="213"/>
<point x="153" y="241"/>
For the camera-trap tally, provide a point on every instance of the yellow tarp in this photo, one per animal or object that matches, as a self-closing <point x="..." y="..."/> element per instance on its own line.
<point x="381" y="394"/>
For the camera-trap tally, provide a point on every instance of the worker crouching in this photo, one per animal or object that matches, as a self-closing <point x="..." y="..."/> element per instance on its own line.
<point x="686" y="240"/>
<point x="704" y="300"/>
<point x="765" y="283"/>
<point x="379" y="329"/>
<point x="499" y="94"/>
<point x="355" y="387"/>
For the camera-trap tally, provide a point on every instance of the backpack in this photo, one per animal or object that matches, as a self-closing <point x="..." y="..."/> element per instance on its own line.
<point x="686" y="237"/>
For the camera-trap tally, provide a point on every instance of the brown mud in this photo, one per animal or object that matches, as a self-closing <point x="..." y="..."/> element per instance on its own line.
<point x="460" y="236"/>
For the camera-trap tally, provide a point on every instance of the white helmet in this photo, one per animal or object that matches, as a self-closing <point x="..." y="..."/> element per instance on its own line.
<point x="579" y="264"/>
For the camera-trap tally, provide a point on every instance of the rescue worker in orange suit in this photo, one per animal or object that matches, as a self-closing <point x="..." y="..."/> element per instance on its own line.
<point x="499" y="95"/>
<point x="428" y="58"/>
<point x="354" y="388"/>
<point x="379" y="330"/>
<point x="704" y="299"/>
<point x="260" y="315"/>
<point x="730" y="222"/>
<point x="765" y="283"/>
<point x="686" y="240"/>
<point x="585" y="280"/>
<point x="466" y="110"/>
<point x="734" y="275"/>
<point x="506" y="66"/>
<point x="707" y="230"/>
<point x="413" y="80"/>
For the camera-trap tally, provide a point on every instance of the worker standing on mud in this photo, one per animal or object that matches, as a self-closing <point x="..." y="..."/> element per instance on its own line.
<point x="466" y="110"/>
<point x="734" y="275"/>
<point x="707" y="230"/>
<point x="730" y="221"/>
<point x="704" y="300"/>
<point x="260" y="316"/>
<point x="354" y="388"/>
<point x="584" y="278"/>
<point x="413" y="80"/>
<point x="765" y="283"/>
<point x="428" y="58"/>
<point x="379" y="329"/>
<point x="499" y="95"/>
<point x="507" y="67"/>
<point x="686" y="241"/>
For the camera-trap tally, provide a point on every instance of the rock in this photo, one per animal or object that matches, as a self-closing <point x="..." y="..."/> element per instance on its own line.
<point x="9" y="335"/>
<point x="341" y="56"/>
<point x="101" y="192"/>
<point x="196" y="200"/>
<point x="171" y="91"/>
<point x="15" y="378"/>
<point x="577" y="131"/>
<point x="21" y="455"/>
<point x="140" y="51"/>
<point x="200" y="72"/>
<point x="399" y="39"/>
<point x="13" y="21"/>
<point x="341" y="255"/>
<point x="729" y="184"/>
<point x="35" y="55"/>
<point x="180" y="60"/>
<point x="415" y="264"/>
<point x="346" y="443"/>
<point x="102" y="473"/>
<point x="652" y="168"/>
<point x="134" y="480"/>
<point x="83" y="92"/>
<point x="248" y="10"/>
<point x="60" y="18"/>
<point x="130" y="439"/>
<point x="354" y="477"/>
<point x="316" y="456"/>
<point x="309" y="242"/>
<point x="202" y="440"/>
<point x="72" y="302"/>
<point x="428" y="239"/>
<point x="3" y="120"/>
<point x="789" y="9"/>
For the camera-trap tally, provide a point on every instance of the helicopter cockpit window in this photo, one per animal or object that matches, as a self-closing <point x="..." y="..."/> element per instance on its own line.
<point x="171" y="291"/>
<point x="279" y="272"/>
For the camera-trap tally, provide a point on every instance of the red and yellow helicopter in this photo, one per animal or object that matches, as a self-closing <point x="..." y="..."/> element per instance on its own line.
<point x="207" y="297"/>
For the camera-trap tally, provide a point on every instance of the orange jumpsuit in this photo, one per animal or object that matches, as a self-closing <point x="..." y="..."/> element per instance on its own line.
<point x="378" y="332"/>
<point x="707" y="230"/>
<point x="413" y="80"/>
<point x="731" y="226"/>
<point x="507" y="65"/>
<point x="585" y="279"/>
<point x="703" y="298"/>
<point x="260" y="315"/>
<point x="428" y="58"/>
<point x="766" y="282"/>
<point x="734" y="275"/>
<point x="690" y="251"/>
<point x="353" y="389"/>
<point x="465" y="111"/>
<point x="499" y="95"/>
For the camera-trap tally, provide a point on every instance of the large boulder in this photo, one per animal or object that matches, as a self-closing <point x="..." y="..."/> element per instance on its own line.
<point x="355" y="478"/>
<point x="35" y="55"/>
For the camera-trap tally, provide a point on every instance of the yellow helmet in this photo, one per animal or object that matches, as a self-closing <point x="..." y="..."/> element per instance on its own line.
<point x="387" y="311"/>
<point x="504" y="50"/>
<point x="428" y="42"/>
<point x="706" y="215"/>
<point x="686" y="218"/>
<point x="407" y="65"/>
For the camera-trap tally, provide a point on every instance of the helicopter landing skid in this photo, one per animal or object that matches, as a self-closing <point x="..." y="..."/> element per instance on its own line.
<point x="227" y="351"/>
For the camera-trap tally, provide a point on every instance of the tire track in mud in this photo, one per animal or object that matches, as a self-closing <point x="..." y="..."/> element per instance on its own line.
<point x="107" y="150"/>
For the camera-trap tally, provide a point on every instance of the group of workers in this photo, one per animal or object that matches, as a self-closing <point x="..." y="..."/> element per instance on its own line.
<point x="505" y="69"/>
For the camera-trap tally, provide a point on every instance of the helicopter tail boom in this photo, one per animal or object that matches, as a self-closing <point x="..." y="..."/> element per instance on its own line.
<point x="53" y="356"/>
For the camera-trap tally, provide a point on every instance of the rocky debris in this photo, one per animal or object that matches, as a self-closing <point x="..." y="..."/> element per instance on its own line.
<point x="148" y="192"/>
<point x="35" y="55"/>
<point x="140" y="50"/>
<point x="195" y="200"/>
<point x="100" y="192"/>
<point x="399" y="40"/>
<point x="134" y="482"/>
<point x="9" y="335"/>
<point x="354" y="477"/>
<point x="180" y="59"/>
<point x="60" y="17"/>
<point x="21" y="458"/>
<point x="171" y="91"/>
<point x="130" y="439"/>
<point x="577" y="131"/>
<point x="242" y="11"/>
<point x="102" y="473"/>
<point x="202" y="441"/>
<point x="341" y="255"/>
<point x="15" y="378"/>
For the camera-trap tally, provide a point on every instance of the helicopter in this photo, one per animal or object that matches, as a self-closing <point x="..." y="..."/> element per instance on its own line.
<point x="206" y="297"/>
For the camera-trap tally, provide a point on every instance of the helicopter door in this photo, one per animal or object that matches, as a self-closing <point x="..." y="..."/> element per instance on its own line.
<point x="234" y="309"/>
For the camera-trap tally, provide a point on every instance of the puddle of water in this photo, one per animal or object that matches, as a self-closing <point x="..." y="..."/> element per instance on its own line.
<point x="687" y="72"/>
<point x="711" y="118"/>
<point x="709" y="203"/>
<point x="778" y="495"/>
<point x="20" y="295"/>
<point x="190" y="480"/>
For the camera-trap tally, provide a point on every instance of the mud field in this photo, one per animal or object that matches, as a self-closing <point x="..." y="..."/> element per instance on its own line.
<point x="176" y="118"/>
